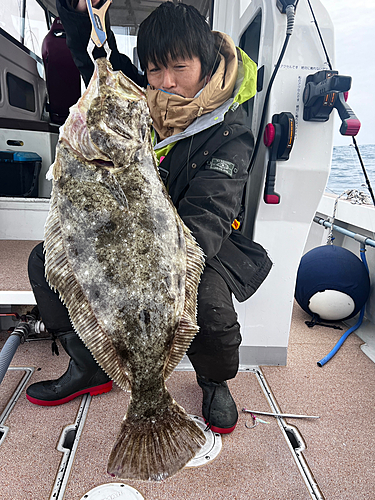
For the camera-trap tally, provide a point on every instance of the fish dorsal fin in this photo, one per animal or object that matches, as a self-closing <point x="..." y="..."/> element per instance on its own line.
<point x="60" y="276"/>
<point x="187" y="328"/>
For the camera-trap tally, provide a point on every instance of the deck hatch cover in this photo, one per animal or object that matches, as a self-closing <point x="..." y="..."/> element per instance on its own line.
<point x="212" y="447"/>
<point x="113" y="490"/>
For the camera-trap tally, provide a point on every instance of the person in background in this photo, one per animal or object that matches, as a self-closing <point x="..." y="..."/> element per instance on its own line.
<point x="197" y="82"/>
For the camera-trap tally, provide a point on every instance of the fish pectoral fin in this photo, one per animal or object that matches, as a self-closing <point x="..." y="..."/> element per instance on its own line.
<point x="157" y="447"/>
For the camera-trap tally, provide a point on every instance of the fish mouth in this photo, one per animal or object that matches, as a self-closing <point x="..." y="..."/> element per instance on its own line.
<point x="104" y="163"/>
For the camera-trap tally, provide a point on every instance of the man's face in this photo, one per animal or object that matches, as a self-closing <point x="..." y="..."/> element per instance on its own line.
<point x="181" y="76"/>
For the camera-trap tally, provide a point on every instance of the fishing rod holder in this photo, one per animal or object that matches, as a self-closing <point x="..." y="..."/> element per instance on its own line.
<point x="324" y="91"/>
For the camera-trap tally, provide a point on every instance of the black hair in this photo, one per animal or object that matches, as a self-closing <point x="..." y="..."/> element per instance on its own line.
<point x="175" y="31"/>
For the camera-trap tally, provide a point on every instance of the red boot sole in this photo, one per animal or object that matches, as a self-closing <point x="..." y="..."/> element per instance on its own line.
<point x="220" y="430"/>
<point x="93" y="391"/>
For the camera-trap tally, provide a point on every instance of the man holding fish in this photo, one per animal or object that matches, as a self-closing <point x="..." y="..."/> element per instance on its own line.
<point x="197" y="82"/>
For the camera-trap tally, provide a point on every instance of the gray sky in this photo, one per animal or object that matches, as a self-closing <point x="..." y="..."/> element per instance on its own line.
<point x="354" y="24"/>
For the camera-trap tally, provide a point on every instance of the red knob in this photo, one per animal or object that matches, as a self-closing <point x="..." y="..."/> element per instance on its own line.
<point x="269" y="135"/>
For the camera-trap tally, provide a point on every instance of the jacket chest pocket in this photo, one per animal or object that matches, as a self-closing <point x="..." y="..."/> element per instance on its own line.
<point x="205" y="154"/>
<point x="184" y="161"/>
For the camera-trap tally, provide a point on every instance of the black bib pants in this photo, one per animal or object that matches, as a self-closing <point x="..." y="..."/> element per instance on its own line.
<point x="214" y="351"/>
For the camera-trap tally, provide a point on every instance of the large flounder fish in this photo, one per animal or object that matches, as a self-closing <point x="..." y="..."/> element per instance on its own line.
<point x="126" y="267"/>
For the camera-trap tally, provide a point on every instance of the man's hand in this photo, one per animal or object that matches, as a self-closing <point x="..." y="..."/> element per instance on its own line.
<point x="82" y="6"/>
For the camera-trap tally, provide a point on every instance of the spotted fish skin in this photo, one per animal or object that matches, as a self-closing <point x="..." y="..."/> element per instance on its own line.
<point x="126" y="267"/>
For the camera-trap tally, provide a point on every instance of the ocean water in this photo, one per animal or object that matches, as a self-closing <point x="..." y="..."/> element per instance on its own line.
<point x="346" y="171"/>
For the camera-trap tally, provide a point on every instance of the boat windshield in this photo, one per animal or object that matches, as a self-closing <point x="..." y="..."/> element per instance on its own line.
<point x="126" y="40"/>
<point x="26" y="21"/>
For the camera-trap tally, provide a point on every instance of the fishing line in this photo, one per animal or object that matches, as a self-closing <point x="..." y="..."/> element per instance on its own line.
<point x="188" y="157"/>
<point x="353" y="138"/>
<point x="364" y="170"/>
<point x="266" y="99"/>
<point x="320" y="36"/>
<point x="216" y="58"/>
<point x="210" y="75"/>
<point x="290" y="23"/>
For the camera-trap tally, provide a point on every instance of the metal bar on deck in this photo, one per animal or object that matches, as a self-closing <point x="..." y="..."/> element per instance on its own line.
<point x="356" y="236"/>
<point x="279" y="415"/>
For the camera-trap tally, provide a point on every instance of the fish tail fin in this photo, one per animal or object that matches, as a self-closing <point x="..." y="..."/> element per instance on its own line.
<point x="155" y="447"/>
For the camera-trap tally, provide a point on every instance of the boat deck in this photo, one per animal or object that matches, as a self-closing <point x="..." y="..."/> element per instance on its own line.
<point x="327" y="458"/>
<point x="14" y="283"/>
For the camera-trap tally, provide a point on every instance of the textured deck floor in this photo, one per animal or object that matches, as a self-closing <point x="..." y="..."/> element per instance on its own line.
<point x="14" y="255"/>
<point x="253" y="464"/>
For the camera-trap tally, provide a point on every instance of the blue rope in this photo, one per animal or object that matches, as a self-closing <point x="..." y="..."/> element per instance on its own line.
<point x="353" y="328"/>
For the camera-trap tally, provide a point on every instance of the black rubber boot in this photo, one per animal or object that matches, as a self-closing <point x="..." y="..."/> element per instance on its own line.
<point x="83" y="375"/>
<point x="218" y="409"/>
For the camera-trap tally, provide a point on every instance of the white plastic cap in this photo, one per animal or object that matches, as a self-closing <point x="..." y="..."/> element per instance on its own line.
<point x="331" y="305"/>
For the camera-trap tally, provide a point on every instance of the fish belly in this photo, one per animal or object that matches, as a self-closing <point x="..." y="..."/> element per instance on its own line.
<point x="127" y="269"/>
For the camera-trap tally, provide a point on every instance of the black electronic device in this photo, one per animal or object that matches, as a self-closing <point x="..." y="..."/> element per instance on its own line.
<point x="279" y="137"/>
<point x="325" y="91"/>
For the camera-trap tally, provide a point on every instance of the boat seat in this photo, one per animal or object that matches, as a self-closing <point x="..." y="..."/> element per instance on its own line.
<point x="62" y="76"/>
<point x="15" y="287"/>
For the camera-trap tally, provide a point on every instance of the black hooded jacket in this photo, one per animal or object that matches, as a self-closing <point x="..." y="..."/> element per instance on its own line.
<point x="205" y="174"/>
